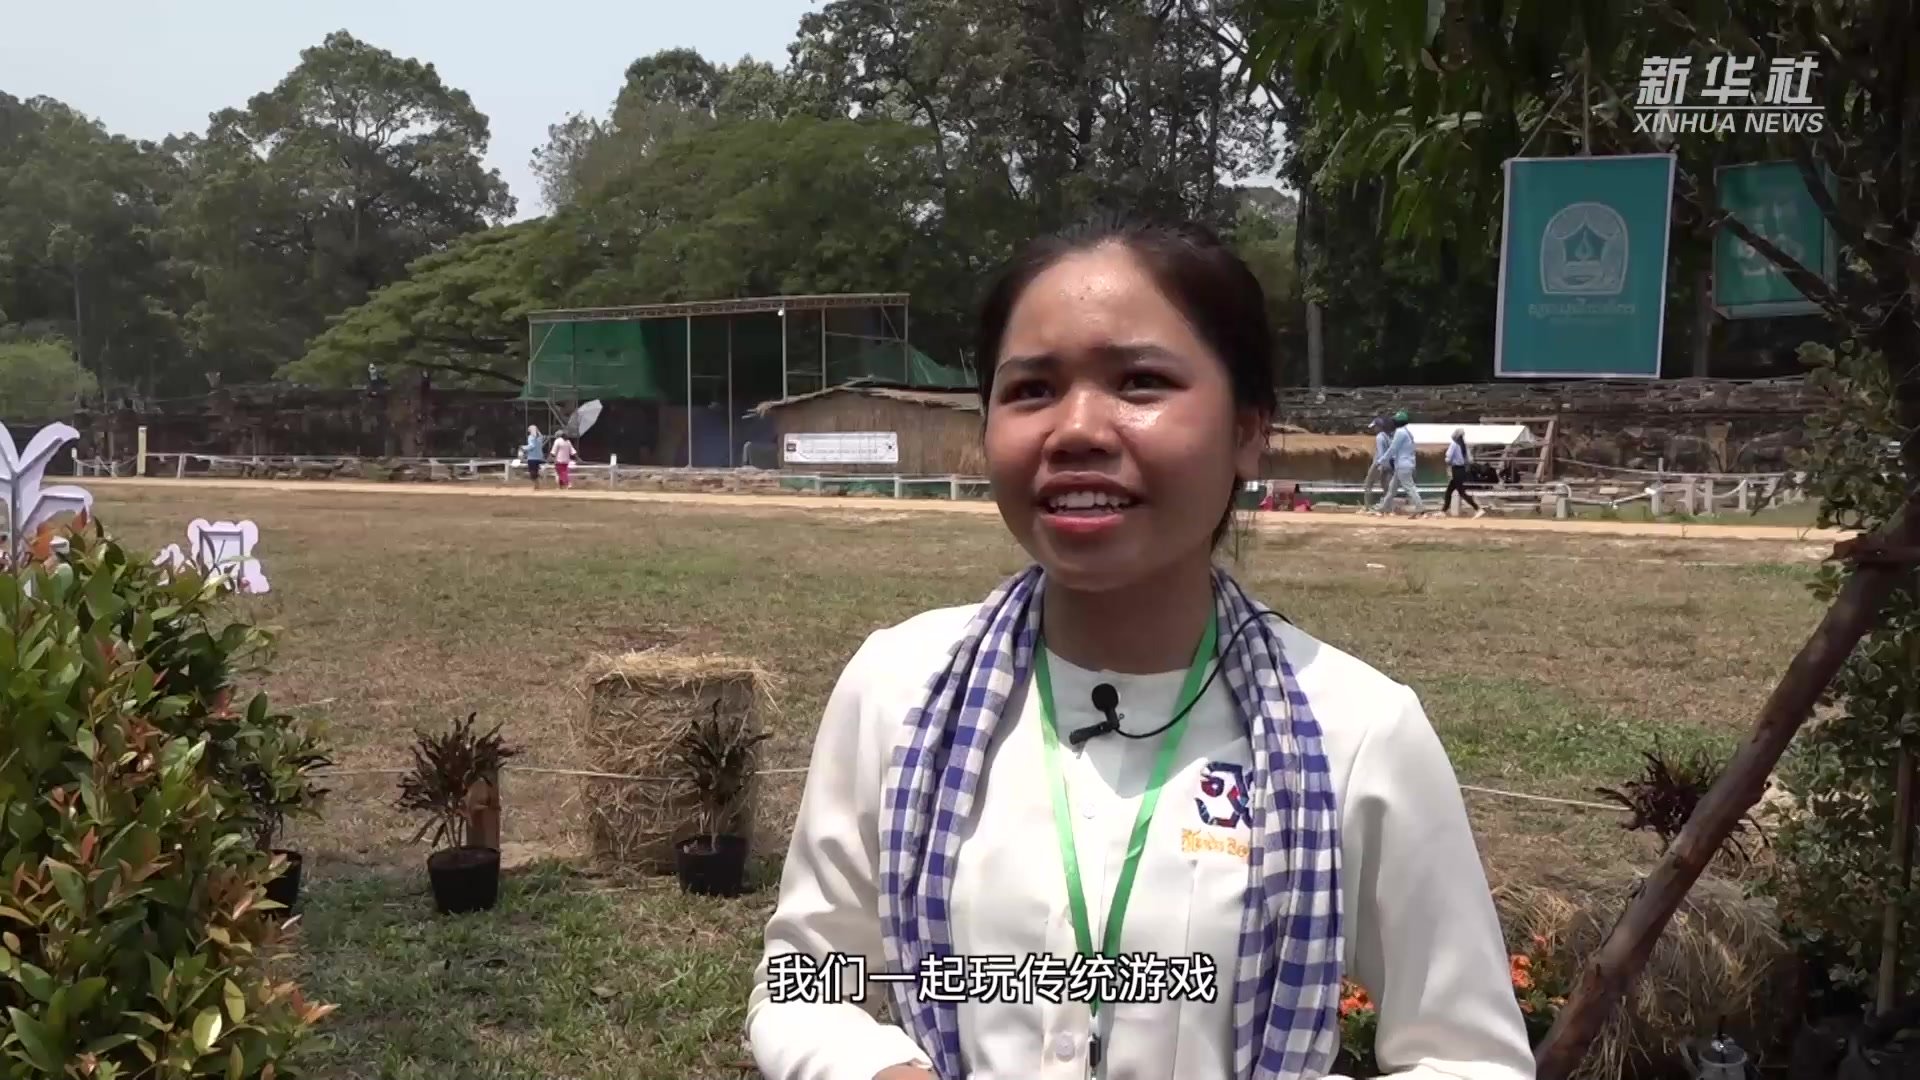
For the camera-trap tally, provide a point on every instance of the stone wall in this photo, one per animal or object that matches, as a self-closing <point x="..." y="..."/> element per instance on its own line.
<point x="413" y="421"/>
<point x="1683" y="425"/>
<point x="1688" y="425"/>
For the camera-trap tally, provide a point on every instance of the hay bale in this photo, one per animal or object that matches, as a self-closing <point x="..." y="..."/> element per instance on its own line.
<point x="639" y="705"/>
<point x="1721" y="957"/>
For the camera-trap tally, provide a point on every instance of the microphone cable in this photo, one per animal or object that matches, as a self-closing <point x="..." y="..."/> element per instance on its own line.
<point x="1083" y="735"/>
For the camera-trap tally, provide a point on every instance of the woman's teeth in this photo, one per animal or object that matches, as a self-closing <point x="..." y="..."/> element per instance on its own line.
<point x="1087" y="500"/>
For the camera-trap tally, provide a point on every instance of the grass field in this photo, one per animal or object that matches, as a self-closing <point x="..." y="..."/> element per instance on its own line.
<point x="1547" y="662"/>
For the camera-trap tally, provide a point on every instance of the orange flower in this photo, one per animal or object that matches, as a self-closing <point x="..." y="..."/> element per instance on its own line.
<point x="1354" y="1000"/>
<point x="1519" y="970"/>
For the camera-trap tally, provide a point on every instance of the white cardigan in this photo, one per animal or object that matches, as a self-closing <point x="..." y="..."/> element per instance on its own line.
<point x="1421" y="931"/>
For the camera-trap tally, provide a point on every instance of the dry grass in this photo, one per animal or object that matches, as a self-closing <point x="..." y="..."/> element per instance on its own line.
<point x="1721" y="963"/>
<point x="640" y="707"/>
<point x="1546" y="662"/>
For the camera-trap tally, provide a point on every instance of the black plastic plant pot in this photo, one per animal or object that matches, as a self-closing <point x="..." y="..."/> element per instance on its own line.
<point x="464" y="879"/>
<point x="712" y="865"/>
<point x="285" y="889"/>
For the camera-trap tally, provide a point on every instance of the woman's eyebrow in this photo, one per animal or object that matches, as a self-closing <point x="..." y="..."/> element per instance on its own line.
<point x="1116" y="354"/>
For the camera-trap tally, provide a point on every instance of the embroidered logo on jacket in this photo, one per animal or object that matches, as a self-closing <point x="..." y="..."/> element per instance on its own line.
<point x="1223" y="795"/>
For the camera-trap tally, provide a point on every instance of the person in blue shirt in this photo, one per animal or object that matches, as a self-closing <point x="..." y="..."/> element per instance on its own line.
<point x="1400" y="459"/>
<point x="1377" y="469"/>
<point x="1457" y="461"/>
<point x="535" y="452"/>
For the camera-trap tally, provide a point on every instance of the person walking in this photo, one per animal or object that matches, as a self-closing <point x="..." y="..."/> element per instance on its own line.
<point x="1378" y="470"/>
<point x="563" y="459"/>
<point x="1458" y="460"/>
<point x="534" y="453"/>
<point x="1401" y="460"/>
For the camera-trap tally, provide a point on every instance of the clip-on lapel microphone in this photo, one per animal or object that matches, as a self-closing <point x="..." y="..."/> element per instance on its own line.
<point x="1105" y="699"/>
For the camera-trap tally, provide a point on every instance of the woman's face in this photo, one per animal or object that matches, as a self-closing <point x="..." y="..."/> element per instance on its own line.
<point x="1112" y="437"/>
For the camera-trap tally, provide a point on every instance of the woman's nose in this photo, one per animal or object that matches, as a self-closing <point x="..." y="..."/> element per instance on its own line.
<point x="1085" y="421"/>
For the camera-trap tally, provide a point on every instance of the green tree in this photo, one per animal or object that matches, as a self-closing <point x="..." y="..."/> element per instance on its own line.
<point x="1424" y="86"/>
<point x="731" y="208"/>
<point x="460" y="313"/>
<point x="1042" y="110"/>
<point x="665" y="95"/>
<point x="79" y="213"/>
<point x="321" y="191"/>
<point x="1836" y="877"/>
<point x="40" y="380"/>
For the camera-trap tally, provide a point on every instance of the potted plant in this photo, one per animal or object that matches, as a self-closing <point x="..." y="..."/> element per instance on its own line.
<point x="445" y="770"/>
<point x="278" y="782"/>
<point x="718" y="759"/>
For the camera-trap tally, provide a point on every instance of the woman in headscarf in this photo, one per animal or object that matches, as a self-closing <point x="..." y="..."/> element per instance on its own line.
<point x="534" y="453"/>
<point x="1121" y="755"/>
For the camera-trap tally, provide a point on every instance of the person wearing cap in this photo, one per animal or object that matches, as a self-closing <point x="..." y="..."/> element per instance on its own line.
<point x="1377" y="470"/>
<point x="1400" y="458"/>
<point x="1458" y="459"/>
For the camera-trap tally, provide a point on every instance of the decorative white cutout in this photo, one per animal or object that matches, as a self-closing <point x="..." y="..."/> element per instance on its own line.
<point x="221" y="549"/>
<point x="29" y="504"/>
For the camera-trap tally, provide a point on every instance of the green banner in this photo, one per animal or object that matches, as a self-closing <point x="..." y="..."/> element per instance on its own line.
<point x="1770" y="198"/>
<point x="1583" y="267"/>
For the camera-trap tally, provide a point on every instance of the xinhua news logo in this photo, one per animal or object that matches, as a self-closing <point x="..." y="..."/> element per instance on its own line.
<point x="1732" y="97"/>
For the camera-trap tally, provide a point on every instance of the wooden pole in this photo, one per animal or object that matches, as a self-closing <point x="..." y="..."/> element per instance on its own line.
<point x="1619" y="959"/>
<point x="483" y="814"/>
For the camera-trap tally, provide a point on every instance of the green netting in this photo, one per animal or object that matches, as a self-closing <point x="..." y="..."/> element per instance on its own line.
<point x="734" y="360"/>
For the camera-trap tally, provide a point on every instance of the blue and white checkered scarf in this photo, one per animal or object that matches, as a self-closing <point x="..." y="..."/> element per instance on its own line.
<point x="1287" y="978"/>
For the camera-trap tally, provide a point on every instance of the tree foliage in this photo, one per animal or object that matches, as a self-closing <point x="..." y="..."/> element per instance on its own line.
<point x="40" y="380"/>
<point x="1442" y="102"/>
<point x="1835" y="874"/>
<point x="80" y="214"/>
<point x="1416" y="135"/>
<point x="908" y="147"/>
<point x="343" y="216"/>
<point x="221" y="253"/>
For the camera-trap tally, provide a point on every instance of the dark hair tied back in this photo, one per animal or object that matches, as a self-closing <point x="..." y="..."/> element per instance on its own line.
<point x="1210" y="285"/>
<point x="1203" y="277"/>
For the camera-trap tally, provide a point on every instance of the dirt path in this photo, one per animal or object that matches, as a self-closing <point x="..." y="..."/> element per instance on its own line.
<point x="865" y="504"/>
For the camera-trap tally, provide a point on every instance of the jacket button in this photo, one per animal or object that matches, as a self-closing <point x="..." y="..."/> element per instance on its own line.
<point x="1064" y="1046"/>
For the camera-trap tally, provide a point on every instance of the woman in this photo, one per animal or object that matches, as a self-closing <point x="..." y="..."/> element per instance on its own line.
<point x="1458" y="460"/>
<point x="956" y="807"/>
<point x="563" y="459"/>
<point x="534" y="452"/>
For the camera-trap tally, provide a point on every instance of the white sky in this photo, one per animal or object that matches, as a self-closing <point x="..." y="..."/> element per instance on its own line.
<point x="148" y="69"/>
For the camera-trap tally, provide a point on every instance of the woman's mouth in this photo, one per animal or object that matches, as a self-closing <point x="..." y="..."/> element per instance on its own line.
<point x="1083" y="512"/>
<point x="1086" y="502"/>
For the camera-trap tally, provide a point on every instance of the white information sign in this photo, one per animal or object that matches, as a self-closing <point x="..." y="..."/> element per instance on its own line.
<point x="841" y="448"/>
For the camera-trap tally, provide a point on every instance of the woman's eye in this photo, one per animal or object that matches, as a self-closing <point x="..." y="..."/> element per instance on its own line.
<point x="1145" y="380"/>
<point x="1025" y="388"/>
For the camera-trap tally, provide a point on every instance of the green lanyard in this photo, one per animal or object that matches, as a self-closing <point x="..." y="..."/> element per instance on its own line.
<point x="1143" y="819"/>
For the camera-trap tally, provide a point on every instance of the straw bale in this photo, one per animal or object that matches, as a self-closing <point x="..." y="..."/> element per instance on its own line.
<point x="1721" y="959"/>
<point x="639" y="706"/>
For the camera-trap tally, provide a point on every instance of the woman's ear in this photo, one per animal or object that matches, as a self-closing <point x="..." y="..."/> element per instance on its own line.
<point x="1249" y="442"/>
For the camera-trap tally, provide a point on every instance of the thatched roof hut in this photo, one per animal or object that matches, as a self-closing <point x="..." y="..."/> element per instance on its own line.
<point x="1296" y="454"/>
<point x="935" y="432"/>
